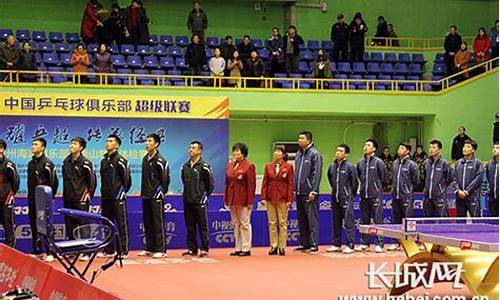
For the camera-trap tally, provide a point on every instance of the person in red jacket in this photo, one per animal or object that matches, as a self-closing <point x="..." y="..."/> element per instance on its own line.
<point x="277" y="195"/>
<point x="89" y="22"/>
<point x="239" y="195"/>
<point x="482" y="46"/>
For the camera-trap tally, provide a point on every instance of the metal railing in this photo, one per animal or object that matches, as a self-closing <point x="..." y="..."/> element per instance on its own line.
<point x="115" y="80"/>
<point x="404" y="43"/>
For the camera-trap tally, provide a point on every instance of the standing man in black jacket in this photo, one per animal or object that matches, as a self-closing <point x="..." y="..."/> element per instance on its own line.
<point x="198" y="182"/>
<point x="197" y="21"/>
<point x="9" y="185"/>
<point x="291" y="44"/>
<point x="115" y="183"/>
<point x="41" y="171"/>
<point x="154" y="187"/>
<point x="79" y="184"/>
<point x="458" y="144"/>
<point x="357" y="30"/>
<point x="340" y="39"/>
<point x="452" y="44"/>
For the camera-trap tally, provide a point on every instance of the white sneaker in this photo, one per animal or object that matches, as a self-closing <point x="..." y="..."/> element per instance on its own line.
<point x="105" y="255"/>
<point x="348" y="250"/>
<point x="84" y="258"/>
<point x="49" y="258"/>
<point x="124" y="257"/>
<point x="333" y="249"/>
<point x="159" y="255"/>
<point x="144" y="253"/>
<point x="379" y="249"/>
<point x="393" y="247"/>
<point x="362" y="248"/>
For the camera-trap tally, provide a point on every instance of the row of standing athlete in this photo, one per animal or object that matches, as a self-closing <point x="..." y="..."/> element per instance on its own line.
<point x="279" y="187"/>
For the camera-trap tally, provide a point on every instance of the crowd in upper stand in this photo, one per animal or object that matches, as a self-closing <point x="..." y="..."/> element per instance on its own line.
<point x="282" y="54"/>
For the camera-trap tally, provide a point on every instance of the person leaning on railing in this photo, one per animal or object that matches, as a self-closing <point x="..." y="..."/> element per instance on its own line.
<point x="80" y="62"/>
<point x="255" y="68"/>
<point x="322" y="67"/>
<point x="195" y="55"/>
<point x="27" y="62"/>
<point x="217" y="65"/>
<point x="462" y="59"/>
<point x="8" y="57"/>
<point x="482" y="46"/>
<point x="235" y="67"/>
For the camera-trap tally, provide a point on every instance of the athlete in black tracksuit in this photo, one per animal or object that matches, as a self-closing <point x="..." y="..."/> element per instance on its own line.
<point x="155" y="181"/>
<point x="198" y="185"/>
<point x="41" y="171"/>
<point x="79" y="184"/>
<point x="115" y="183"/>
<point x="9" y="185"/>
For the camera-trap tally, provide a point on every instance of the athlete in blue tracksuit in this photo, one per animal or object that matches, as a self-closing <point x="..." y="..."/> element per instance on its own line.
<point x="404" y="180"/>
<point x="372" y="174"/>
<point x="492" y="172"/>
<point x="308" y="169"/>
<point x="468" y="179"/>
<point x="438" y="176"/>
<point x="344" y="182"/>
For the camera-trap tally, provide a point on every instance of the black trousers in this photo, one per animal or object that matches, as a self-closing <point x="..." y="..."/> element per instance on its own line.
<point x="493" y="207"/>
<point x="357" y="53"/>
<point x="308" y="217"/>
<point x="342" y="214"/>
<point x="450" y="63"/>
<point x="469" y="204"/>
<point x="435" y="208"/>
<point x="195" y="216"/>
<point x="340" y="52"/>
<point x="7" y="215"/>
<point x="292" y="63"/>
<point x="369" y="207"/>
<point x="154" y="228"/>
<point x="401" y="208"/>
<point x="116" y="212"/>
<point x="36" y="241"/>
<point x="72" y="223"/>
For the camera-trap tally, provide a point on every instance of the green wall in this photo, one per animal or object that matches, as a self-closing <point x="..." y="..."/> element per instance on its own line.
<point x="416" y="18"/>
<point x="262" y="118"/>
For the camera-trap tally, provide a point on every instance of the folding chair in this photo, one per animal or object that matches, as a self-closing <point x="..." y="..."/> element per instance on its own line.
<point x="90" y="238"/>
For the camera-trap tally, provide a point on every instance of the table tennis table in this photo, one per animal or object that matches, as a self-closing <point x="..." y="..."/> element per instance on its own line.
<point x="470" y="241"/>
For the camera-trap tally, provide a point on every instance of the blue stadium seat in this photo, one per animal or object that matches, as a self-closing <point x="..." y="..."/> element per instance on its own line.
<point x="306" y="55"/>
<point x="335" y="85"/>
<point x="401" y="69"/>
<point x="359" y="68"/>
<point x="386" y="68"/>
<point x="22" y="35"/>
<point x="313" y="45"/>
<point x="113" y="49"/>
<point x="65" y="59"/>
<point x="153" y="40"/>
<point x="143" y="50"/>
<point x="134" y="61"/>
<point x="62" y="48"/>
<point x="390" y="57"/>
<point x="56" y="37"/>
<point x="151" y="61"/>
<point x="39" y="36"/>
<point x="366" y="57"/>
<point x="257" y="43"/>
<point x="212" y="42"/>
<point x="304" y="67"/>
<point x="50" y="59"/>
<point x="370" y="77"/>
<point x="118" y="60"/>
<point x="209" y="52"/>
<point x="263" y="53"/>
<point x="158" y="72"/>
<point x="280" y="75"/>
<point x="141" y="72"/>
<point x="127" y="49"/>
<point x="436" y="85"/>
<point x="4" y="33"/>
<point x="167" y="62"/>
<point x="327" y="45"/>
<point x="175" y="73"/>
<point x="418" y="58"/>
<point x="333" y="66"/>
<point x="174" y="51"/>
<point x="385" y="77"/>
<point x="180" y="63"/>
<point x="376" y="57"/>
<point x="439" y="58"/>
<point x="344" y="67"/>
<point x="416" y="69"/>
<point x="38" y="58"/>
<point x="92" y="48"/>
<point x="373" y="68"/>
<point x="404" y="58"/>
<point x="439" y="69"/>
<point x="166" y="40"/>
<point x="181" y="40"/>
<point x="340" y="76"/>
<point x="159" y="50"/>
<point x="45" y="47"/>
<point x="72" y="37"/>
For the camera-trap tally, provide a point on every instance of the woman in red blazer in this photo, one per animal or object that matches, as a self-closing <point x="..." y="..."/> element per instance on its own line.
<point x="277" y="195"/>
<point x="239" y="195"/>
<point x="482" y="46"/>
